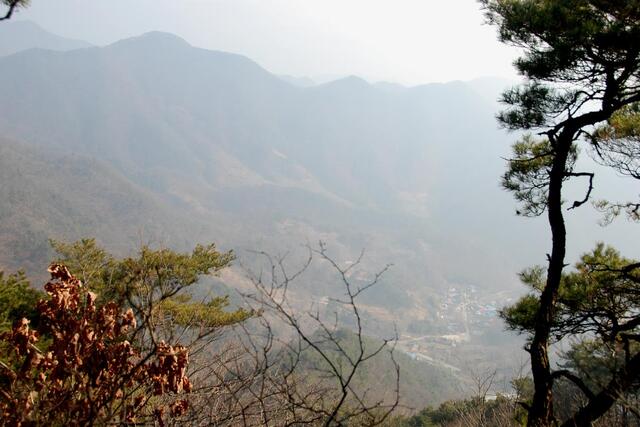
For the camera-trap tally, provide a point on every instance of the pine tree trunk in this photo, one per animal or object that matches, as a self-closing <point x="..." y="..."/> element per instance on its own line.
<point x="541" y="412"/>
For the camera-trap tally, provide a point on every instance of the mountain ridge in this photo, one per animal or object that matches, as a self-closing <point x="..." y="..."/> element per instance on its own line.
<point x="17" y="36"/>
<point x="215" y="134"/>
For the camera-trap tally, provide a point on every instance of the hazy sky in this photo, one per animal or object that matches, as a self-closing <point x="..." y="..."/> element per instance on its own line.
<point x="406" y="41"/>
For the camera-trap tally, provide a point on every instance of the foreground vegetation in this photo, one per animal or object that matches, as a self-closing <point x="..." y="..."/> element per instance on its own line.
<point x="127" y="341"/>
<point x="135" y="341"/>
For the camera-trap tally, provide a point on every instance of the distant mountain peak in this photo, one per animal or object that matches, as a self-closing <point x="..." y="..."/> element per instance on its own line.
<point x="349" y="82"/>
<point x="352" y="80"/>
<point x="163" y="37"/>
<point x="155" y="39"/>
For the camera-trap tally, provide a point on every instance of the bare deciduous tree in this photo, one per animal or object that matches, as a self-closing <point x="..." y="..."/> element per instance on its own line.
<point x="294" y="367"/>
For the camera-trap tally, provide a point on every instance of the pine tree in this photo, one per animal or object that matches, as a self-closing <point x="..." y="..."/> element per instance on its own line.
<point x="581" y="64"/>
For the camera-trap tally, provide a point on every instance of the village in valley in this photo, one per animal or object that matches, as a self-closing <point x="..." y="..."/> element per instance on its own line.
<point x="467" y="320"/>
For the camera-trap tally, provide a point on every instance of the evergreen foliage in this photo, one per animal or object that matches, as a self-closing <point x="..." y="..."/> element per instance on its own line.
<point x="157" y="281"/>
<point x="17" y="300"/>
<point x="598" y="298"/>
<point x="617" y="145"/>
<point x="528" y="173"/>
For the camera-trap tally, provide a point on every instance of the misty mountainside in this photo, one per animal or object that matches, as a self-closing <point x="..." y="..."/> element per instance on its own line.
<point x="49" y="195"/>
<point x="188" y="145"/>
<point x="16" y="36"/>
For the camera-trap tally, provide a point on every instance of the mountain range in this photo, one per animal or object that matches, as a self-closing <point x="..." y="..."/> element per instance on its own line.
<point x="153" y="140"/>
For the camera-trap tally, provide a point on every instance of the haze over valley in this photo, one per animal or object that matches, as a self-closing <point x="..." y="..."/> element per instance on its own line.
<point x="151" y="140"/>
